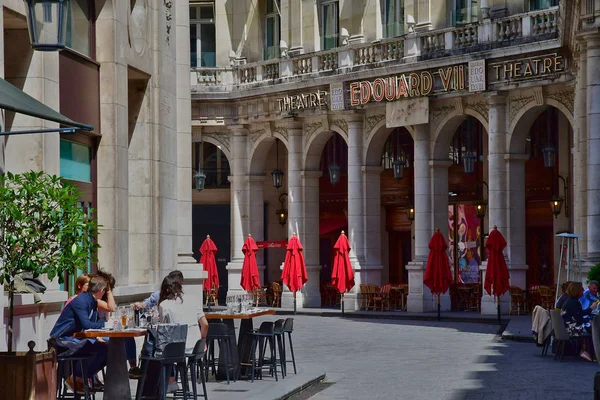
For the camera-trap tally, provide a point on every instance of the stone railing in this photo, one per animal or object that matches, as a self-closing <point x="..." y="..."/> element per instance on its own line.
<point x="409" y="48"/>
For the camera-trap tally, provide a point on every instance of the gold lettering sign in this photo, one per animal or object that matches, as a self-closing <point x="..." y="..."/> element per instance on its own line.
<point x="302" y="101"/>
<point x="408" y="85"/>
<point x="532" y="67"/>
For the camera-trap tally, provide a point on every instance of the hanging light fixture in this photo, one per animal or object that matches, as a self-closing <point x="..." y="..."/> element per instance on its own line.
<point x="334" y="169"/>
<point x="47" y="23"/>
<point x="282" y="214"/>
<point x="549" y="152"/>
<point x="277" y="174"/>
<point x="399" y="160"/>
<point x="469" y="157"/>
<point x="199" y="177"/>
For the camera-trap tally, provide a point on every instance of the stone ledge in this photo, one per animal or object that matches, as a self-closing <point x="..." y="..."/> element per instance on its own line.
<point x="25" y="299"/>
<point x="132" y="290"/>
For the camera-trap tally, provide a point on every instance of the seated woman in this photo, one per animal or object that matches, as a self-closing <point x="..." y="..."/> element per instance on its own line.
<point x="107" y="305"/>
<point x="573" y="316"/>
<point x="561" y="300"/>
<point x="81" y="285"/>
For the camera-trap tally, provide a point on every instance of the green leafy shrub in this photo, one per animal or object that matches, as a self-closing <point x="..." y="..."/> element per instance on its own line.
<point x="594" y="274"/>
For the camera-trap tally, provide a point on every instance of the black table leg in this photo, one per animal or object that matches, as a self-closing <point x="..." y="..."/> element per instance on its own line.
<point x="245" y="342"/>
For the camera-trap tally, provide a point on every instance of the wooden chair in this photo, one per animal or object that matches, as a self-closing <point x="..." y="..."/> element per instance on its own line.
<point x="363" y="296"/>
<point x="546" y="297"/>
<point x="373" y="290"/>
<point x="212" y="296"/>
<point x="260" y="296"/>
<point x="382" y="297"/>
<point x="276" y="288"/>
<point x="474" y="302"/>
<point x="517" y="300"/>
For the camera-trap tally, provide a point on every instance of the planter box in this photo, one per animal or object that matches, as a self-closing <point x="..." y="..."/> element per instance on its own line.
<point x="28" y="375"/>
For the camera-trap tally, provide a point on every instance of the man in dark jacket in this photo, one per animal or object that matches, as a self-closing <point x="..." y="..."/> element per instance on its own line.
<point x="79" y="315"/>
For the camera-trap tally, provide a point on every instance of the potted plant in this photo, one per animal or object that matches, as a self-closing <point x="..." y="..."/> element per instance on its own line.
<point x="43" y="230"/>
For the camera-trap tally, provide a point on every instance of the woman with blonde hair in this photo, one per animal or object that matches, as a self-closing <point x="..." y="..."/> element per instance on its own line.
<point x="81" y="285"/>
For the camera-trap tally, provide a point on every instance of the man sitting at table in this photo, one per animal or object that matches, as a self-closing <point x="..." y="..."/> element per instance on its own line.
<point x="590" y="296"/>
<point x="81" y="314"/>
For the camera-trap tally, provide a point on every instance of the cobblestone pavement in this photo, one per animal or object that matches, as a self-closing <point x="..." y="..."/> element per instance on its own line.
<point x="388" y="359"/>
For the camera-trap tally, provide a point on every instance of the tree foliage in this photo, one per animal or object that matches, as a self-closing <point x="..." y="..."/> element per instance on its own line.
<point x="43" y="229"/>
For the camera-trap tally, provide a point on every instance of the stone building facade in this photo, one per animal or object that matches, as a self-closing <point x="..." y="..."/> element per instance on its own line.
<point x="468" y="96"/>
<point x="126" y="72"/>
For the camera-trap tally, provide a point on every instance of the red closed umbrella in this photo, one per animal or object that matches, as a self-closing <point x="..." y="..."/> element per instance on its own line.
<point x="496" y="276"/>
<point x="209" y="264"/>
<point x="437" y="274"/>
<point x="249" y="279"/>
<point x="342" y="275"/>
<point x="294" y="269"/>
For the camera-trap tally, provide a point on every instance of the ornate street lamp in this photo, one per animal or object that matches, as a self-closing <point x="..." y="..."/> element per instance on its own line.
<point x="334" y="169"/>
<point x="281" y="212"/>
<point x="47" y="23"/>
<point x="199" y="176"/>
<point x="277" y="174"/>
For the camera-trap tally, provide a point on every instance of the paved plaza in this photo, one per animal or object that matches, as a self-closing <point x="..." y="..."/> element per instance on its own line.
<point x="400" y="359"/>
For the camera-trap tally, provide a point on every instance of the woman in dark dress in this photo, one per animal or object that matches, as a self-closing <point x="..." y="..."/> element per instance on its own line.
<point x="574" y="317"/>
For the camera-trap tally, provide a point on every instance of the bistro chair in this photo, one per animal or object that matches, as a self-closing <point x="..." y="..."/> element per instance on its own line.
<point x="260" y="296"/>
<point x="363" y="296"/>
<point x="211" y="296"/>
<point x="561" y="336"/>
<point x="218" y="332"/>
<point x="276" y="287"/>
<point x="288" y="327"/>
<point x="260" y="338"/>
<point x="173" y="356"/>
<point x="546" y="297"/>
<point x="517" y="300"/>
<point x="66" y="366"/>
<point x="382" y="297"/>
<point x="278" y="331"/>
<point x="195" y="366"/>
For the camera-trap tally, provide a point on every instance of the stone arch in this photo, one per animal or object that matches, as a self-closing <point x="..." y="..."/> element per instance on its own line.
<point x="448" y="123"/>
<point x="219" y="139"/>
<point x="517" y="138"/>
<point x="517" y="108"/>
<point x="259" y="150"/>
<point x="315" y="144"/>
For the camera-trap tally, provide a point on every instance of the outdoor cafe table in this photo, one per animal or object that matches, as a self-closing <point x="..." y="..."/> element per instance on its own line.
<point x="116" y="385"/>
<point x="242" y="350"/>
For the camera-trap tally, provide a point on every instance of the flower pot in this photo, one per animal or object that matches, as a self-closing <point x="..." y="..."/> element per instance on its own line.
<point x="28" y="375"/>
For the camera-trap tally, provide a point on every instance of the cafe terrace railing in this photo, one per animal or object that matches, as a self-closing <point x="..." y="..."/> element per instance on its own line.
<point x="515" y="29"/>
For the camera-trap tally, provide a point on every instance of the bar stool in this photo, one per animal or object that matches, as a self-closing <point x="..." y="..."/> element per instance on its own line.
<point x="172" y="356"/>
<point x="278" y="332"/>
<point x="265" y="334"/>
<point x="288" y="327"/>
<point x="218" y="332"/>
<point x="195" y="366"/>
<point x="66" y="367"/>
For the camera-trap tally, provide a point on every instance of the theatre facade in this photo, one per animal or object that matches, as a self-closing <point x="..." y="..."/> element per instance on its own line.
<point x="458" y="129"/>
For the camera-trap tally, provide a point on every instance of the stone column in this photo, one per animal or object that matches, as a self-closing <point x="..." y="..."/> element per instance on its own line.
<point x="498" y="195"/>
<point x="239" y="207"/>
<point x="419" y="296"/>
<point x="580" y="159"/>
<point x="311" y="294"/>
<point x="113" y="177"/>
<point x="372" y="196"/>
<point x="355" y="207"/>
<point x="515" y="235"/>
<point x="439" y="178"/>
<point x="257" y="216"/>
<point x="593" y="149"/>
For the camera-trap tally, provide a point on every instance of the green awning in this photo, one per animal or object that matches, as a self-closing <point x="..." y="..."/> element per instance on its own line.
<point x="14" y="99"/>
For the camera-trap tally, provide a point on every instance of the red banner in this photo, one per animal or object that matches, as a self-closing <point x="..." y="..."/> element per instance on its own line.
<point x="278" y="244"/>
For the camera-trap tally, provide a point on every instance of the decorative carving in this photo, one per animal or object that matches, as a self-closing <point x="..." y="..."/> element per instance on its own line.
<point x="566" y="97"/>
<point x="282" y="130"/>
<point x="373" y="120"/>
<point x="482" y="107"/>
<point x="169" y="17"/>
<point x="254" y="135"/>
<point x="222" y="137"/>
<point x="441" y="111"/>
<point x="340" y="123"/>
<point x="517" y="103"/>
<point x="310" y="129"/>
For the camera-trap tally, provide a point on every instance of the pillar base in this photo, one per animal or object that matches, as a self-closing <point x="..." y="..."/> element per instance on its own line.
<point x="310" y="294"/>
<point x="368" y="274"/>
<point x="193" y="278"/>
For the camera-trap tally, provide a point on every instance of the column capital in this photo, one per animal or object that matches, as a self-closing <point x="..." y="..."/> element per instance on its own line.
<point x="497" y="98"/>
<point x="290" y="123"/>
<point x="239" y="129"/>
<point x="371" y="169"/>
<point x="591" y="37"/>
<point x="255" y="178"/>
<point x="311" y="174"/>
<point x="354" y="116"/>
<point x="440" y="163"/>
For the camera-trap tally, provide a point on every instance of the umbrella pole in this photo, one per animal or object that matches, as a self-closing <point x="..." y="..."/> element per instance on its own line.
<point x="342" y="305"/>
<point x="439" y="317"/>
<point x="498" y="305"/>
<point x="294" y="303"/>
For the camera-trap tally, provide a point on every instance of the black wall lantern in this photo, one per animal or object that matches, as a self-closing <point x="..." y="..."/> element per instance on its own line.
<point x="47" y="23"/>
<point x="282" y="214"/>
<point x="557" y="201"/>
<point x="480" y="209"/>
<point x="199" y="176"/>
<point x="411" y="213"/>
<point x="549" y="152"/>
<point x="334" y="169"/>
<point x="277" y="174"/>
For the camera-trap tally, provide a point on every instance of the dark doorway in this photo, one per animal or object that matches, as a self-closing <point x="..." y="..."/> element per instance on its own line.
<point x="400" y="255"/>
<point x="214" y="220"/>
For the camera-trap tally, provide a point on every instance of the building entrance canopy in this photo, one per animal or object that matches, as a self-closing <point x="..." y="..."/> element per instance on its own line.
<point x="14" y="99"/>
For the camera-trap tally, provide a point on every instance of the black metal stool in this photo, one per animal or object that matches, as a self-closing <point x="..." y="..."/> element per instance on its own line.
<point x="173" y="356"/>
<point x="218" y="332"/>
<point x="265" y="334"/>
<point x="278" y="332"/>
<point x="66" y="367"/>
<point x="195" y="366"/>
<point x="288" y="327"/>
